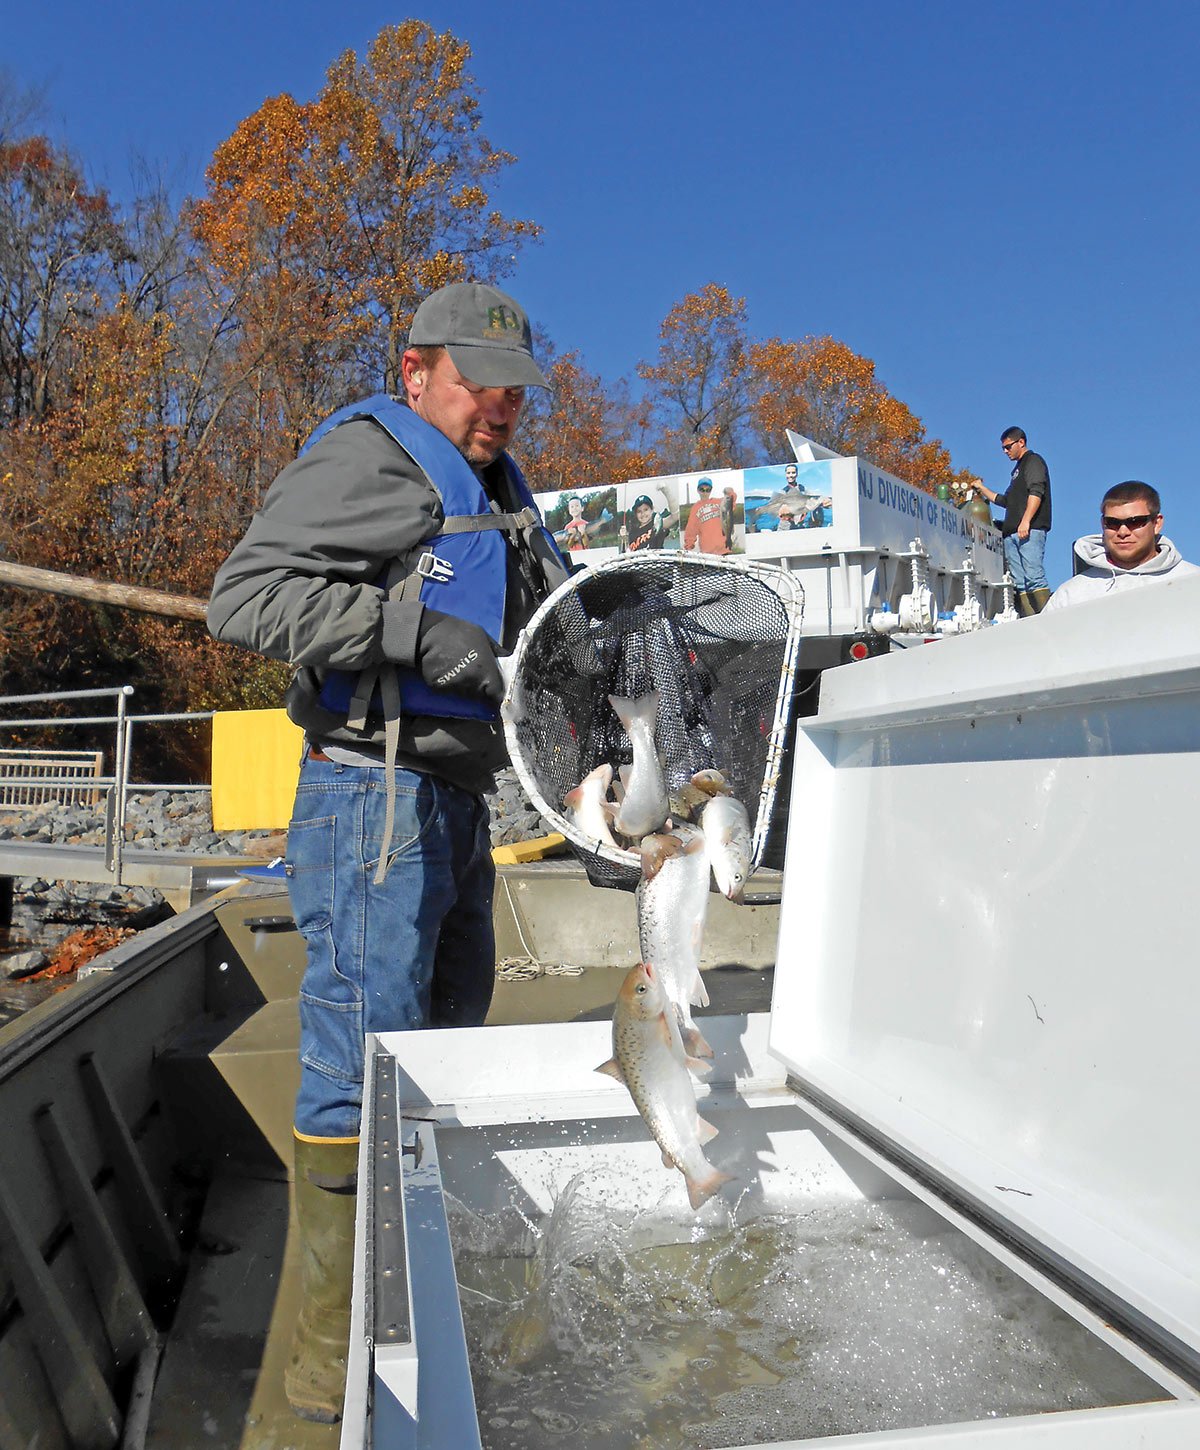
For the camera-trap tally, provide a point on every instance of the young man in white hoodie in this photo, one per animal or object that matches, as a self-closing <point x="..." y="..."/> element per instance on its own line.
<point x="1132" y="549"/>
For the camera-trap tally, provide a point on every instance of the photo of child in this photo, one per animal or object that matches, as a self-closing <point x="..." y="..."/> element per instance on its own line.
<point x="714" y="523"/>
<point x="584" y="518"/>
<point x="650" y="519"/>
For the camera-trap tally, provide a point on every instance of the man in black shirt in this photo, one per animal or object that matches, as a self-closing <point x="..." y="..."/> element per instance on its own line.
<point x="1026" y="522"/>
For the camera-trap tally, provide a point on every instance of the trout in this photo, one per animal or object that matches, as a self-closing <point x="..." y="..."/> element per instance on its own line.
<point x="672" y="902"/>
<point x="696" y="792"/>
<point x="589" y="806"/>
<point x="726" y="828"/>
<point x="644" y="806"/>
<point x="648" y="1057"/>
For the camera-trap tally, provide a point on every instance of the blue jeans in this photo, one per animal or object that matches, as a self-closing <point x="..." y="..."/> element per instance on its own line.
<point x="416" y="951"/>
<point x="1026" y="560"/>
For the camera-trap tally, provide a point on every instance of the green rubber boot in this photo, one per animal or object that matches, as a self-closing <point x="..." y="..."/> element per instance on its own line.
<point x="315" y="1379"/>
<point x="1025" y="605"/>
<point x="1038" y="598"/>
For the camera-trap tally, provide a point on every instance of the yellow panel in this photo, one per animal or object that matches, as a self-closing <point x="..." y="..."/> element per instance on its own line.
<point x="255" y="762"/>
<point x="521" y="851"/>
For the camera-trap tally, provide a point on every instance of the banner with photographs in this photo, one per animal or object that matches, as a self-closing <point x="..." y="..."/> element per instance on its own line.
<point x="696" y="511"/>
<point x="721" y="511"/>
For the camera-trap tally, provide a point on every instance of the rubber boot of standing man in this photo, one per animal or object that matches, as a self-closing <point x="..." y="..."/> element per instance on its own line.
<point x="1026" y="521"/>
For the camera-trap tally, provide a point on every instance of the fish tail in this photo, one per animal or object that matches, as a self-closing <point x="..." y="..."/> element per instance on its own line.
<point x="700" y="1190"/>
<point x="645" y="707"/>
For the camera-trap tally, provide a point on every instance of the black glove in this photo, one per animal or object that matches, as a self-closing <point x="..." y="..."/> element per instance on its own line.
<point x="454" y="654"/>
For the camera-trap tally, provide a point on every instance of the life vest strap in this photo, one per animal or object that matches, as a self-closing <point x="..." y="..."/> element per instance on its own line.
<point x="479" y="523"/>
<point x="360" y="704"/>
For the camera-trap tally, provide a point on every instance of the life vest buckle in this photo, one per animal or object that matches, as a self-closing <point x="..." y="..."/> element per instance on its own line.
<point x="440" y="571"/>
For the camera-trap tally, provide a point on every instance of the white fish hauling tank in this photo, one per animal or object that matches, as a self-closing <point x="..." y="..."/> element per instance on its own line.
<point x="649" y="1058"/>
<point x="672" y="904"/>
<point x="644" y="806"/>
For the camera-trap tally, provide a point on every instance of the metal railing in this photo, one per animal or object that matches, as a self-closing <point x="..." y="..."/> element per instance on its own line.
<point x="117" y="787"/>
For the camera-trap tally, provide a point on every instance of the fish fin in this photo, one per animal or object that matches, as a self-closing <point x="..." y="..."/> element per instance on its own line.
<point x="664" y="1028"/>
<point x="612" y="1068"/>
<point x="705" y="1131"/>
<point x="573" y="798"/>
<point x="623" y="774"/>
<point x="700" y="1190"/>
<point x="656" y="849"/>
<point x="618" y="790"/>
<point x="694" y="1041"/>
<point x="697" y="1065"/>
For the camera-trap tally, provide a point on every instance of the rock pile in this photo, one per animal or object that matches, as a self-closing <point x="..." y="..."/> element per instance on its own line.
<point x="45" y="912"/>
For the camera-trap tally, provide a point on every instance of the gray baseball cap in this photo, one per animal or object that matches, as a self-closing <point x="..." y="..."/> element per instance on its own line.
<point x="485" y="332"/>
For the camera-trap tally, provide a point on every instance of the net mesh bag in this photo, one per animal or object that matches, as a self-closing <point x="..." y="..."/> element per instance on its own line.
<point x="716" y="638"/>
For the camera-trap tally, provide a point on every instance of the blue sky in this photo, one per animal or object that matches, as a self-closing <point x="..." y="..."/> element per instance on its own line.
<point x="997" y="203"/>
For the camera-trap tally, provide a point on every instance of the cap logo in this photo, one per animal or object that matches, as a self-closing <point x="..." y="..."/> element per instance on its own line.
<point x="503" y="319"/>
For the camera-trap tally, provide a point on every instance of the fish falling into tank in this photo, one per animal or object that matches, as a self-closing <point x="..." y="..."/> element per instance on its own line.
<point x="649" y="1058"/>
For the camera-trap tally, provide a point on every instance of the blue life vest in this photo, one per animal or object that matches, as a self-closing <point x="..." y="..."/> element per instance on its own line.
<point x="466" y="574"/>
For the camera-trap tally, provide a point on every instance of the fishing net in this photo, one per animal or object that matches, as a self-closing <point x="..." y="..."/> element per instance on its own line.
<point x="716" y="638"/>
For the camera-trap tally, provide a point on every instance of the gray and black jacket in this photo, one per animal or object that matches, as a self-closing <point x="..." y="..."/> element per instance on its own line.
<point x="303" y="585"/>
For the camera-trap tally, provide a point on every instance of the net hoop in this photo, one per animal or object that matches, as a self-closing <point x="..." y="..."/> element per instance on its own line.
<point x="683" y="569"/>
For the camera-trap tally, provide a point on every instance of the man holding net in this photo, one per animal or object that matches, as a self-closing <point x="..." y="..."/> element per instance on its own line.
<point x="390" y="564"/>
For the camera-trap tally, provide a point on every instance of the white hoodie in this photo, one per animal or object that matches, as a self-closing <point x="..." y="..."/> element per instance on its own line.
<point x="1101" y="577"/>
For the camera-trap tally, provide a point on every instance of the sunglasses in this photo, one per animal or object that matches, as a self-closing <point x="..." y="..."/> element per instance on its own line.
<point x="1134" y="521"/>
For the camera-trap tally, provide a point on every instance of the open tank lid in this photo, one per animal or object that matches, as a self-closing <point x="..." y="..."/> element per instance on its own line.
<point x="987" y="953"/>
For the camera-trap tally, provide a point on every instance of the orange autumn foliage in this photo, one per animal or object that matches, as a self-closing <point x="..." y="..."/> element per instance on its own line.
<point x="698" y="381"/>
<point x="160" y="365"/>
<point x="828" y="392"/>
<point x="579" y="432"/>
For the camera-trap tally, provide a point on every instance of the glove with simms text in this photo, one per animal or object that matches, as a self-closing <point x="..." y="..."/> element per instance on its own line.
<point x="454" y="654"/>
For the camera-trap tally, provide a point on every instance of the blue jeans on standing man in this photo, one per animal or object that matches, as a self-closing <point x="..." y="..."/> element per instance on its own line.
<point x="1026" y="561"/>
<point x="418" y="950"/>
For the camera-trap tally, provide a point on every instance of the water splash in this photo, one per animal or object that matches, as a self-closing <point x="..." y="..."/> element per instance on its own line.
<point x="849" y="1317"/>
